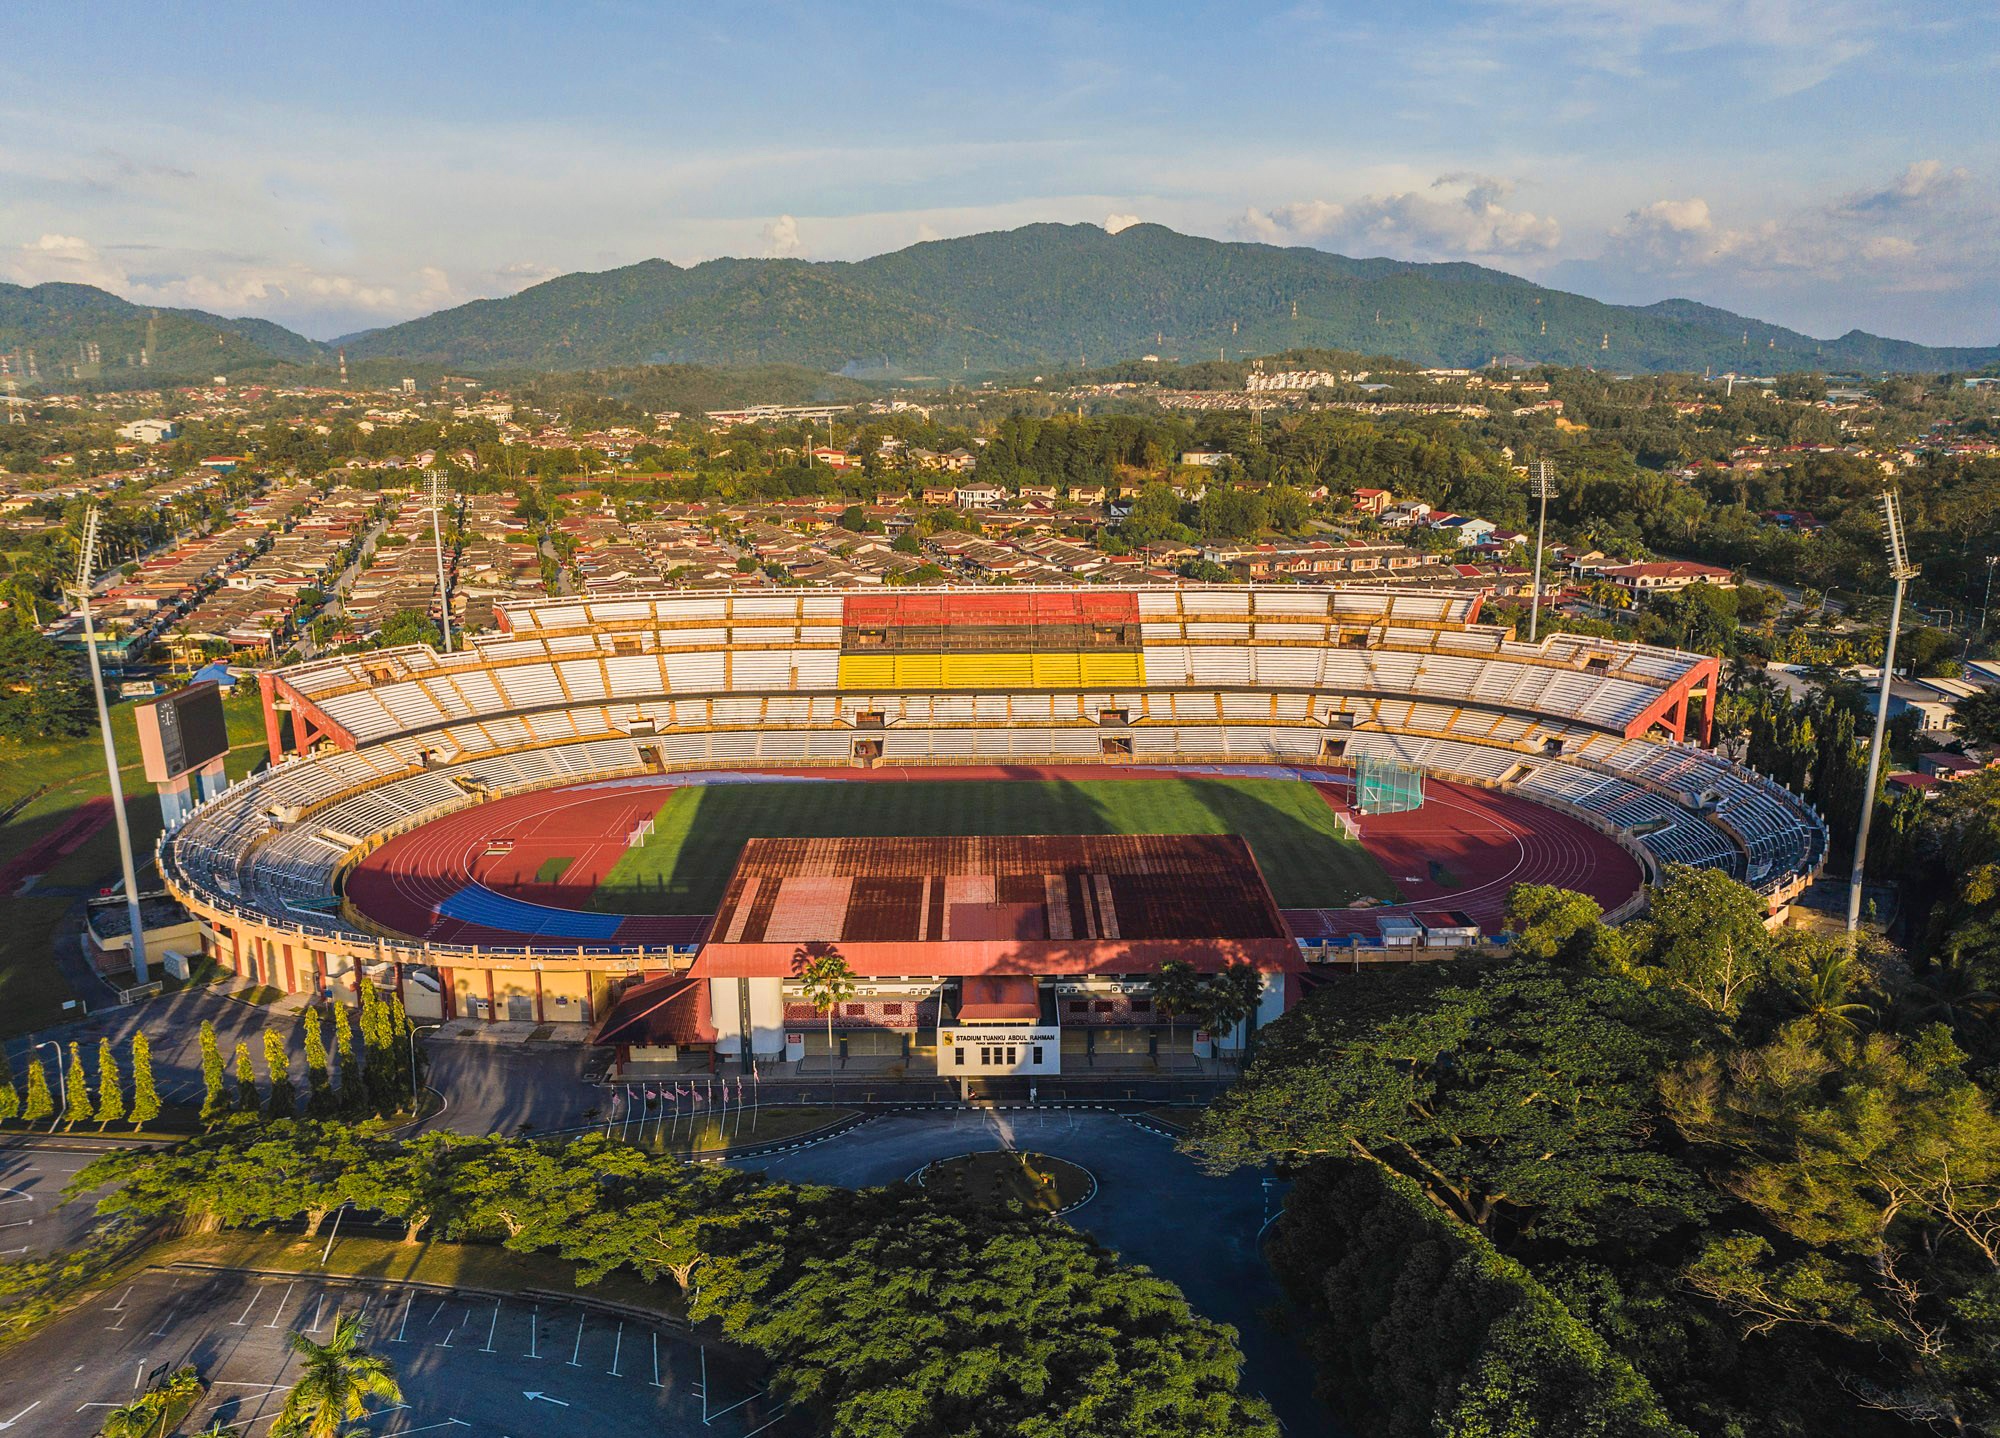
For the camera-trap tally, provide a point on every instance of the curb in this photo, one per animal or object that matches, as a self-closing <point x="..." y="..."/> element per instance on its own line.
<point x="917" y="1178"/>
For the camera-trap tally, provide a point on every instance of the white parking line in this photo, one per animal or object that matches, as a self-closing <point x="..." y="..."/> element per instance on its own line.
<point x="656" y="1362"/>
<point x="406" y="1319"/>
<point x="244" y="1321"/>
<point x="617" y="1347"/>
<point x="534" y="1325"/>
<point x="282" y="1298"/>
<point x="577" y="1353"/>
<point x="492" y="1328"/>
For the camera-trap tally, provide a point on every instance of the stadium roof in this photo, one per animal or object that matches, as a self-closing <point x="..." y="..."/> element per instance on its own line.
<point x="996" y="906"/>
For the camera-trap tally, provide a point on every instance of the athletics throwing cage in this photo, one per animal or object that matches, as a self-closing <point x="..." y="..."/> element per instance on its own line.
<point x="1387" y="786"/>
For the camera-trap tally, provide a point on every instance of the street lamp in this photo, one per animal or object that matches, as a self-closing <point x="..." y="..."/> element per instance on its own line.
<point x="1986" y="603"/>
<point x="416" y="1029"/>
<point x="1902" y="572"/>
<point x="86" y="563"/>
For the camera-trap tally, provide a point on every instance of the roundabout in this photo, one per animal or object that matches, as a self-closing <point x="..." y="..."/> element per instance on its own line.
<point x="1034" y="1181"/>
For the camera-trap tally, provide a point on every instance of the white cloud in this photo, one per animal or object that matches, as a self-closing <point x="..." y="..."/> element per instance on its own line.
<point x="781" y="237"/>
<point x="1913" y="231"/>
<point x="1459" y="216"/>
<point x="1114" y="223"/>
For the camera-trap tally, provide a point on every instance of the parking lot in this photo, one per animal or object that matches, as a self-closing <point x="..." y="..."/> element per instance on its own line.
<point x="468" y="1362"/>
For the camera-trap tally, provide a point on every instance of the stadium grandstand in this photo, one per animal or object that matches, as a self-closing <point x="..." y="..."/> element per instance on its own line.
<point x="1600" y="738"/>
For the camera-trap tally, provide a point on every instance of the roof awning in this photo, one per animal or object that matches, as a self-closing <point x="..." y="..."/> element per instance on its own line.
<point x="672" y="1009"/>
<point x="999" y="1000"/>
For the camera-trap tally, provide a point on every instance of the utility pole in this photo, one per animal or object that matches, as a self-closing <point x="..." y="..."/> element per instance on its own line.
<point x="1543" y="483"/>
<point x="437" y="539"/>
<point x="1902" y="572"/>
<point x="86" y="564"/>
<point x="1987" y="602"/>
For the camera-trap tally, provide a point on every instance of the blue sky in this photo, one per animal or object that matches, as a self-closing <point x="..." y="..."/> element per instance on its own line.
<point x="1828" y="164"/>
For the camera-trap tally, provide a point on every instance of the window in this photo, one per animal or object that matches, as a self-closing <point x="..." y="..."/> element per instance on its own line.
<point x="857" y="1011"/>
<point x="1142" y="1006"/>
<point x="1012" y="1056"/>
<point x="1038" y="1056"/>
<point x="1079" y="1006"/>
<point x="1103" y="1006"/>
<point x="888" y="1009"/>
<point x="958" y="1057"/>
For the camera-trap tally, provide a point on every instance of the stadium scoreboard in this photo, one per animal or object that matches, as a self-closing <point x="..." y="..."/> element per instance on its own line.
<point x="182" y="732"/>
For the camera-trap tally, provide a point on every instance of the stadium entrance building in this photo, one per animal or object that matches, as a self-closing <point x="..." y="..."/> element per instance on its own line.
<point x="1005" y="953"/>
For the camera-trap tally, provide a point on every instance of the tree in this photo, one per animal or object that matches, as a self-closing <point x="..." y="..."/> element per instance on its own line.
<point x="907" y="543"/>
<point x="110" y="1085"/>
<point x="351" y="1080"/>
<point x="1177" y="990"/>
<point x="337" y="1382"/>
<point x="43" y="692"/>
<point x="78" y="1106"/>
<point x="1553" y="923"/>
<point x="213" y="1101"/>
<point x="10" y="1097"/>
<point x="410" y="626"/>
<point x="320" y="1099"/>
<point x="145" y="1097"/>
<point x="1978" y="716"/>
<point x="277" y="1068"/>
<point x="38" y="1104"/>
<point x="827" y="982"/>
<point x="1231" y="997"/>
<point x="1518" y="1098"/>
<point x="1705" y="936"/>
<point x="246" y="1080"/>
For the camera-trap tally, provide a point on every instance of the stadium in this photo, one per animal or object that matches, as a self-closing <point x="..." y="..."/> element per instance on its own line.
<point x="1005" y="809"/>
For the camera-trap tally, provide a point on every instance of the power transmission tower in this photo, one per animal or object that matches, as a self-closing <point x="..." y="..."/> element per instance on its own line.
<point x="437" y="540"/>
<point x="1902" y="572"/>
<point x="1544" y="481"/>
<point x="86" y="565"/>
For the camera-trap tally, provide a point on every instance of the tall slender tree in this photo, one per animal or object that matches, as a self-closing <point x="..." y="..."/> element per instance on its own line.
<point x="246" y="1080"/>
<point x="110" y="1085"/>
<point x="213" y="1102"/>
<point x="283" y="1100"/>
<point x="39" y="1104"/>
<point x="10" y="1097"/>
<point x="406" y="1051"/>
<point x="78" y="1105"/>
<point x="319" y="1101"/>
<point x="145" y="1097"/>
<point x="350" y="1077"/>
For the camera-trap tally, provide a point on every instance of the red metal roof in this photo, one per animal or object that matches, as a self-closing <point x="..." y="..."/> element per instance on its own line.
<point x="672" y="1009"/>
<point x="988" y="1000"/>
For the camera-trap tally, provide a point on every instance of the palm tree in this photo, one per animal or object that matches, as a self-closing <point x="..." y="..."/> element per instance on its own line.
<point x="1952" y="995"/>
<point x="337" y="1379"/>
<point x="1826" y="994"/>
<point x="827" y="982"/>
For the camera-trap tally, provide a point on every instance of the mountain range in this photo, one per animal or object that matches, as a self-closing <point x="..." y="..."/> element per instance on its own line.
<point x="1055" y="295"/>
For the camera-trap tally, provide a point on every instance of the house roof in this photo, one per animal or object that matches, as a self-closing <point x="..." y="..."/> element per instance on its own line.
<point x="671" y="1009"/>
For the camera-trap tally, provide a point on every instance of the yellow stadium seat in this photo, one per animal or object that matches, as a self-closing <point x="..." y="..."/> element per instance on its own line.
<point x="867" y="671"/>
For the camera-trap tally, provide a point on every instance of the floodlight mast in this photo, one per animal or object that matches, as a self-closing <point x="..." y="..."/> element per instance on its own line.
<point x="1902" y="572"/>
<point x="86" y="564"/>
<point x="1544" y="477"/>
<point x="437" y="540"/>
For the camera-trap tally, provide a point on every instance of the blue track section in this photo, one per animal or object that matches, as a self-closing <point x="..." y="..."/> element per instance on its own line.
<point x="474" y="905"/>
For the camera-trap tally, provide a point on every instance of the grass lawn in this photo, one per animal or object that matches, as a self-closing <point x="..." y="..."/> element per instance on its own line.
<point x="553" y="869"/>
<point x="700" y="830"/>
<point x="1034" y="1180"/>
<point x="41" y="785"/>
<point x="751" y="1130"/>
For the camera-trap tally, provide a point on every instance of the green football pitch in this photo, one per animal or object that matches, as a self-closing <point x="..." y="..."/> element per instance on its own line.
<point x="701" y="829"/>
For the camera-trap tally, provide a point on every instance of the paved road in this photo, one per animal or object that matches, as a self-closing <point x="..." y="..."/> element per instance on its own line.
<point x="467" y="1363"/>
<point x="1153" y="1205"/>
<point x="33" y="1217"/>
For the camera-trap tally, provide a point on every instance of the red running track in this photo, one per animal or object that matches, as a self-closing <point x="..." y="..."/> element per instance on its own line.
<point x="1486" y="843"/>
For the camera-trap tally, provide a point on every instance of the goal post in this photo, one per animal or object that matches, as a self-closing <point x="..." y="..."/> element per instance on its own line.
<point x="1387" y="786"/>
<point x="641" y="831"/>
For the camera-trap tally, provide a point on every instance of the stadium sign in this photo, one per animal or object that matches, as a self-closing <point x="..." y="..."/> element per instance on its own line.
<point x="999" y="1049"/>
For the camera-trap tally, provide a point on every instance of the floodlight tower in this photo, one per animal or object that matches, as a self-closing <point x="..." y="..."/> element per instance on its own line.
<point x="1543" y="482"/>
<point x="437" y="540"/>
<point x="86" y="564"/>
<point x="1902" y="572"/>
